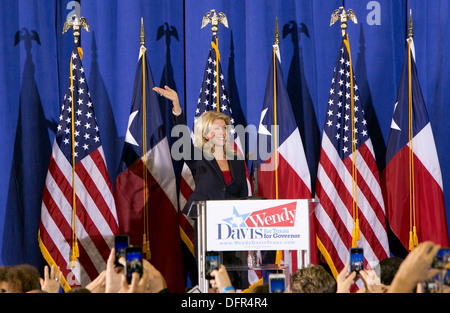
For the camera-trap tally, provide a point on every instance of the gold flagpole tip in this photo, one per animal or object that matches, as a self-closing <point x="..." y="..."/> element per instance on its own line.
<point x="410" y="27"/>
<point x="76" y="23"/>
<point x="277" y="33"/>
<point x="343" y="17"/>
<point x="142" y="32"/>
<point x="214" y="20"/>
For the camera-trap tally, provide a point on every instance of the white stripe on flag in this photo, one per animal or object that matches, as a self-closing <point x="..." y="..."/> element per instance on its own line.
<point x="160" y="166"/>
<point x="292" y="150"/>
<point x="425" y="149"/>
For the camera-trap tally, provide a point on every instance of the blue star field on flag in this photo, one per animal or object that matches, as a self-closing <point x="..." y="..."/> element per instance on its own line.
<point x="338" y="124"/>
<point x="86" y="134"/>
<point x="207" y="99"/>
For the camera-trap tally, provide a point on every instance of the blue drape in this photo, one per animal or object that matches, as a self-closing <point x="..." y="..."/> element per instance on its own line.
<point x="34" y="61"/>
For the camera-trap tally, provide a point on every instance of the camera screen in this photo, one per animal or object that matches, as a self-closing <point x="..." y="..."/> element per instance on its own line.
<point x="120" y="247"/>
<point x="442" y="259"/>
<point x="212" y="263"/>
<point x="356" y="260"/>
<point x="134" y="263"/>
<point x="277" y="285"/>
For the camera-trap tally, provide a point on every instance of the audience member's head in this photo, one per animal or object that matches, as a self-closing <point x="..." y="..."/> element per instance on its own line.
<point x="23" y="278"/>
<point x="387" y="268"/>
<point x="3" y="279"/>
<point x="313" y="279"/>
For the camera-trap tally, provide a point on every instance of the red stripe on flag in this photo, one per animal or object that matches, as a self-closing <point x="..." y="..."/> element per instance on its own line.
<point x="97" y="197"/>
<point x="330" y="209"/>
<point x="56" y="255"/>
<point x="99" y="161"/>
<point x="185" y="189"/>
<point x="372" y="217"/>
<point x="163" y="224"/>
<point x="431" y="223"/>
<point x="364" y="187"/>
<point x="364" y="224"/>
<point x="83" y="217"/>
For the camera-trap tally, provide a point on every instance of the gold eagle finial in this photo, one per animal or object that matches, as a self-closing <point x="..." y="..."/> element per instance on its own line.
<point x="343" y="17"/>
<point x="76" y="23"/>
<point x="214" y="20"/>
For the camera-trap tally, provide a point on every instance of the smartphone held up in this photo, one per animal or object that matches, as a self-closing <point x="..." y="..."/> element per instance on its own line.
<point x="277" y="283"/>
<point x="133" y="257"/>
<point x="212" y="263"/>
<point x="356" y="260"/>
<point x="121" y="242"/>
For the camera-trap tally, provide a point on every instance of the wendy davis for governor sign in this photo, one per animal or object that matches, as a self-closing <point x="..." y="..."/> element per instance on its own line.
<point x="235" y="225"/>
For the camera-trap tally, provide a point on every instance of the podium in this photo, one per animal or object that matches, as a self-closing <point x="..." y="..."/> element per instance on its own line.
<point x="249" y="228"/>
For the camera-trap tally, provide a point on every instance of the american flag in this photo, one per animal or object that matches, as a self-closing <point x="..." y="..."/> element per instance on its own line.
<point x="340" y="184"/>
<point x="212" y="95"/>
<point x="96" y="218"/>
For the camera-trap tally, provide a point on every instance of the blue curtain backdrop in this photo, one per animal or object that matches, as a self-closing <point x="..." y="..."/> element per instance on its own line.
<point x="34" y="61"/>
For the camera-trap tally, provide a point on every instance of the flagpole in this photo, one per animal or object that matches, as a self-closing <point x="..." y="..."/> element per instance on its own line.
<point x="146" y="234"/>
<point x="215" y="20"/>
<point x="216" y="48"/>
<point x="75" y="250"/>
<point x="356" y="235"/>
<point x="274" y="51"/>
<point x="344" y="17"/>
<point x="413" y="240"/>
<point x="75" y="23"/>
<point x="279" y="253"/>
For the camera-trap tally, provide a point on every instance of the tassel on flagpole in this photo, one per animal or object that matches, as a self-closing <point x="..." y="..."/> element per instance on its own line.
<point x="354" y="240"/>
<point x="358" y="236"/>
<point x="411" y="241"/>
<point x="415" y="238"/>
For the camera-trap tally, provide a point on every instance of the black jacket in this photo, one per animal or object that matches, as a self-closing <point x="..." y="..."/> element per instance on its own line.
<point x="208" y="177"/>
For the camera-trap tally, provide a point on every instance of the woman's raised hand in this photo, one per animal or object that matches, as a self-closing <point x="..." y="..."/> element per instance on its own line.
<point x="170" y="94"/>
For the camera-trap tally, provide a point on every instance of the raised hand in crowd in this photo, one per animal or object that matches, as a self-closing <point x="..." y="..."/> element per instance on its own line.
<point x="156" y="282"/>
<point x="51" y="281"/>
<point x="221" y="280"/>
<point x="415" y="268"/>
<point x="116" y="282"/>
<point x="98" y="285"/>
<point x="137" y="285"/>
<point x="345" y="279"/>
<point x="371" y="282"/>
<point x="113" y="275"/>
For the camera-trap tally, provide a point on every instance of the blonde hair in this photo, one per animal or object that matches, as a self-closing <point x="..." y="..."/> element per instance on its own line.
<point x="202" y="127"/>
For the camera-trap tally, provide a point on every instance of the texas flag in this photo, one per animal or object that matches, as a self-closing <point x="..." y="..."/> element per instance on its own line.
<point x="412" y="180"/>
<point x="145" y="189"/>
<point x="283" y="171"/>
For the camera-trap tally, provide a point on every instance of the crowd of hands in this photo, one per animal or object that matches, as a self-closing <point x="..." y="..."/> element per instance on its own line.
<point x="113" y="279"/>
<point x="414" y="269"/>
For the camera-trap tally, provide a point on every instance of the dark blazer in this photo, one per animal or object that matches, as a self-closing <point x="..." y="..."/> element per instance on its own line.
<point x="208" y="177"/>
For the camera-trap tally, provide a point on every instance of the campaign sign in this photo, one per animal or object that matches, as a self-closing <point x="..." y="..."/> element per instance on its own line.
<point x="240" y="225"/>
